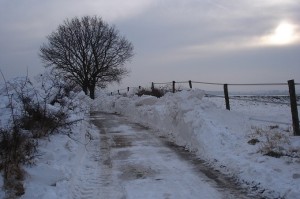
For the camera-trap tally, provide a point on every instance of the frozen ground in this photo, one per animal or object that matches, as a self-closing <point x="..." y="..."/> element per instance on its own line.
<point x="92" y="165"/>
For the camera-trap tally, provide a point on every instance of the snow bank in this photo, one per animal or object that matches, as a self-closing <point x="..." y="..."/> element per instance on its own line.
<point x="59" y="155"/>
<point x="216" y="135"/>
<point x="58" y="161"/>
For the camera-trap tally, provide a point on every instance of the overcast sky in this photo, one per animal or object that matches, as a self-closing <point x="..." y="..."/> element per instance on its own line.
<point x="245" y="41"/>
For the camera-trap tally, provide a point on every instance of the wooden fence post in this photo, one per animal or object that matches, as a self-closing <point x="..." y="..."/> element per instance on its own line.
<point x="173" y="86"/>
<point x="119" y="92"/>
<point x="190" y="83"/>
<point x="111" y="93"/>
<point x="140" y="87"/>
<point x="294" y="108"/>
<point x="127" y="89"/>
<point x="226" y="96"/>
<point x="152" y="86"/>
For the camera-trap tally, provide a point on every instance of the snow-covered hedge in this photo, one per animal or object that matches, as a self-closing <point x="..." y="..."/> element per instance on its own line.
<point x="31" y="110"/>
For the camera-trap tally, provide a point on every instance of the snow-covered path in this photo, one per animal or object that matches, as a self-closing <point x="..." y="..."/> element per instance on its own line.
<point x="131" y="162"/>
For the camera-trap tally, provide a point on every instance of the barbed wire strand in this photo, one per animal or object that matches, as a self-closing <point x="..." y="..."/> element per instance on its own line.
<point x="213" y="83"/>
<point x="211" y="95"/>
<point x="249" y="100"/>
<point x="253" y="84"/>
<point x="260" y="84"/>
<point x="231" y="84"/>
<point x="163" y="83"/>
<point x="207" y="83"/>
<point x="182" y="82"/>
<point x="260" y="101"/>
<point x="262" y="120"/>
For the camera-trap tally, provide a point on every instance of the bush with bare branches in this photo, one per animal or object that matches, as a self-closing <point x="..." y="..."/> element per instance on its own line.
<point x="30" y="112"/>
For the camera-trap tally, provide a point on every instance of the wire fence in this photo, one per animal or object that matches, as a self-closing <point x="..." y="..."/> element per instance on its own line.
<point x="291" y="98"/>
<point x="258" y="101"/>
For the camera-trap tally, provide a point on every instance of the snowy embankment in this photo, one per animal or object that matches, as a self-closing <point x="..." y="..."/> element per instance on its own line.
<point x="58" y="168"/>
<point x="60" y="159"/>
<point x="57" y="163"/>
<point x="219" y="137"/>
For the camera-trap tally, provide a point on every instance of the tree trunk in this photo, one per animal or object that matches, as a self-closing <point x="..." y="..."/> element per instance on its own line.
<point x="85" y="90"/>
<point x="85" y="86"/>
<point x="92" y="91"/>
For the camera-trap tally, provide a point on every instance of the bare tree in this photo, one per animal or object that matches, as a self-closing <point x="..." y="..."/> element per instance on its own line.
<point x="87" y="51"/>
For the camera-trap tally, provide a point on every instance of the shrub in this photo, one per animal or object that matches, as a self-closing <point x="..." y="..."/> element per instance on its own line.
<point x="154" y="92"/>
<point x="56" y="86"/>
<point x="272" y="141"/>
<point x="31" y="116"/>
<point x="41" y="123"/>
<point x="16" y="148"/>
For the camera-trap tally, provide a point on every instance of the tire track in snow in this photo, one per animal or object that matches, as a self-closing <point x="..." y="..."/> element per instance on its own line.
<point x="86" y="179"/>
<point x="108" y="188"/>
<point x="92" y="178"/>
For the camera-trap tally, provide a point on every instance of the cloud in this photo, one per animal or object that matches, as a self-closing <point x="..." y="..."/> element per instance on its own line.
<point x="165" y="34"/>
<point x="190" y="39"/>
<point x="25" y="25"/>
<point x="188" y="25"/>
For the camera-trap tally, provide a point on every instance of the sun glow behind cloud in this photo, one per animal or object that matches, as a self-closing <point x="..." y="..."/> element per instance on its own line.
<point x="285" y="33"/>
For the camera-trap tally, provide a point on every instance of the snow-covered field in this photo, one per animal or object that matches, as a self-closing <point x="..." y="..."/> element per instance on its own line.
<point x="200" y="124"/>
